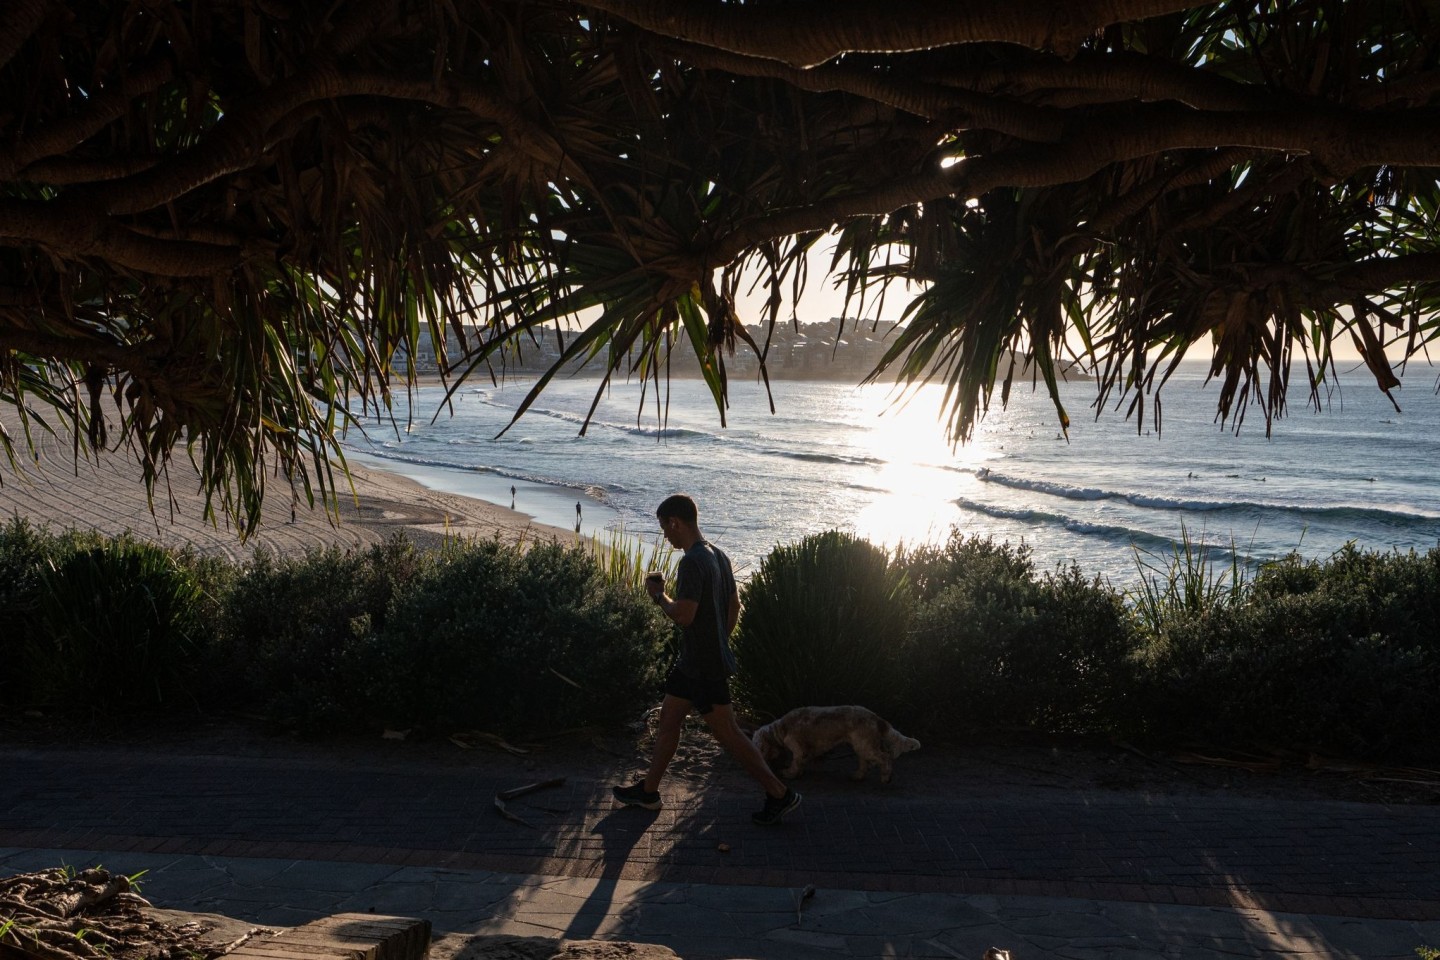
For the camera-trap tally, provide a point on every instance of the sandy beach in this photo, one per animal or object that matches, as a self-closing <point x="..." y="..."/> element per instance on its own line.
<point x="106" y="493"/>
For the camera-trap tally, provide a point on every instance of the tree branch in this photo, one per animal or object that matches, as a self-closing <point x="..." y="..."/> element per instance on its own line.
<point x="1415" y="90"/>
<point x="1124" y="75"/>
<point x="101" y="109"/>
<point x="357" y="24"/>
<point x="75" y="229"/>
<point x="1342" y="141"/>
<point x="1257" y="186"/>
<point x="240" y="139"/>
<point x="809" y="32"/>
<point x="90" y="350"/>
<point x="232" y="145"/>
<point x="466" y="95"/>
<point x="1202" y="170"/>
<point x="961" y="107"/>
<point x="1345" y="281"/>
<point x="65" y="171"/>
<point x="20" y="20"/>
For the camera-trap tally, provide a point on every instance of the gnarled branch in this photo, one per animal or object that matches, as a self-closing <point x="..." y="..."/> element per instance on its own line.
<point x="809" y="32"/>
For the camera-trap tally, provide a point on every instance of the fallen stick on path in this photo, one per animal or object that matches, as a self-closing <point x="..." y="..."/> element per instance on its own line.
<point x="514" y="792"/>
<point x="802" y="896"/>
<point x="469" y="738"/>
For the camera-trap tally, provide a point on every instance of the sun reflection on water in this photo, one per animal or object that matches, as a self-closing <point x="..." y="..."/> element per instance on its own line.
<point x="919" y="474"/>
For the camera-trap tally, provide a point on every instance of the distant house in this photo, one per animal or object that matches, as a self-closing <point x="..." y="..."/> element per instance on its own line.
<point x="838" y="348"/>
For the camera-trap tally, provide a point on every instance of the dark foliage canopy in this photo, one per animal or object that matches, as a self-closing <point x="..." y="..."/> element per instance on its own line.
<point x="223" y="223"/>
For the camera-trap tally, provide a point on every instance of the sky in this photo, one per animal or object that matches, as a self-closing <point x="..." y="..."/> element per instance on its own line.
<point x="821" y="301"/>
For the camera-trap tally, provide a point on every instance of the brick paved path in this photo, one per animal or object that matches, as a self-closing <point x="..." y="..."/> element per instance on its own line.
<point x="1319" y="857"/>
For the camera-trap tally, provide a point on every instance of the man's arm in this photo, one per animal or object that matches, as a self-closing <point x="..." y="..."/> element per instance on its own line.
<point x="681" y="611"/>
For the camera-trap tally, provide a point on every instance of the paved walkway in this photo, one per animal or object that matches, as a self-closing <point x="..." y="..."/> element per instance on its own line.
<point x="910" y="870"/>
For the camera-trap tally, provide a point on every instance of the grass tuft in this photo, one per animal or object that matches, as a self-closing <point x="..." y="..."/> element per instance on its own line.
<point x="1187" y="583"/>
<point x="624" y="559"/>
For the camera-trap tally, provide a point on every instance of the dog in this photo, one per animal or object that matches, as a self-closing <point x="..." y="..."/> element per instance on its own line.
<point x="809" y="732"/>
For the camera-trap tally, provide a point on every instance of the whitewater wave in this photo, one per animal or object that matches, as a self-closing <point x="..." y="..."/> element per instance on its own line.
<point x="1044" y="486"/>
<point x="691" y="433"/>
<point x="630" y="429"/>
<point x="811" y="456"/>
<point x="1111" y="532"/>
<point x="1339" y="514"/>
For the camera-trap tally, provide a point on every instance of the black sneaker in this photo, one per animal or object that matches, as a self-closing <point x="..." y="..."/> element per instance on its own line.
<point x="636" y="795"/>
<point x="776" y="808"/>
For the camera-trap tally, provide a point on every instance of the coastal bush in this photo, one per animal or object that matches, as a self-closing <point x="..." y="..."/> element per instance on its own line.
<point x="932" y="569"/>
<point x="1337" y="656"/>
<point x="119" y="627"/>
<point x="1393" y="595"/>
<point x="24" y="551"/>
<point x="511" y="641"/>
<point x="1328" y="656"/>
<point x="824" y="622"/>
<point x="993" y="646"/>
<point x="288" y="623"/>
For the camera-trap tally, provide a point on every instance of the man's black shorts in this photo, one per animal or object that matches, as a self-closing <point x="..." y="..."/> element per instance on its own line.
<point x="703" y="694"/>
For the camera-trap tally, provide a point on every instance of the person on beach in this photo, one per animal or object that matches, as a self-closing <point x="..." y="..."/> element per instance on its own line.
<point x="706" y="605"/>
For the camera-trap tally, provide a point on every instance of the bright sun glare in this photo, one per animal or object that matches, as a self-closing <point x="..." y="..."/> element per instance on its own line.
<point x="919" y="472"/>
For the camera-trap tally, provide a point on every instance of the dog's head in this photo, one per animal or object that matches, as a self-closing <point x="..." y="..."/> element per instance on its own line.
<point x="768" y="744"/>
<point x="899" y="743"/>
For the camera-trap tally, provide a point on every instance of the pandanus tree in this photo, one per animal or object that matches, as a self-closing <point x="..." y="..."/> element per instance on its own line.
<point x="225" y="223"/>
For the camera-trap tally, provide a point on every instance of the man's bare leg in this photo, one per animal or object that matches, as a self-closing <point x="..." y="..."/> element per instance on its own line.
<point x="673" y="711"/>
<point x="723" y="727"/>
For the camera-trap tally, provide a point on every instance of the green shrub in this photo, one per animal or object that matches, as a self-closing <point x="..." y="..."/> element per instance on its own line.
<point x="1086" y="656"/>
<point x="24" y="552"/>
<point x="511" y="641"/>
<point x="118" y="626"/>
<point x="932" y="569"/>
<point x="1339" y="656"/>
<point x="1297" y="665"/>
<point x="824" y="622"/>
<point x="995" y="647"/>
<point x="288" y="624"/>
<point x="1393" y="595"/>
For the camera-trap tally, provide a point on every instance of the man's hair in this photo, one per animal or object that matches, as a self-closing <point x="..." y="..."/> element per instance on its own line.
<point x="681" y="506"/>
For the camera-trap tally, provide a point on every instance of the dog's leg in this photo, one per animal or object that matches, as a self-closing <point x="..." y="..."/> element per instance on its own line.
<point x="886" y="766"/>
<point x="863" y="768"/>
<point x="797" y="761"/>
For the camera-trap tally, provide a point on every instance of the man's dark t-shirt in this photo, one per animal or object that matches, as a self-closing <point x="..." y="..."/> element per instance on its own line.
<point x="705" y="576"/>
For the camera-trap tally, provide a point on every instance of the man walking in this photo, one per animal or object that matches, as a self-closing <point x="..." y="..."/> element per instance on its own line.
<point x="706" y="605"/>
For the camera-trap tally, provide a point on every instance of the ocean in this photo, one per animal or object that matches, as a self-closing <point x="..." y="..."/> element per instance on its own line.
<point x="876" y="463"/>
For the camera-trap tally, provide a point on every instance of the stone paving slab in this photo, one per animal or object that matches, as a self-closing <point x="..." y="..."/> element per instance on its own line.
<point x="706" y="922"/>
<point x="343" y="936"/>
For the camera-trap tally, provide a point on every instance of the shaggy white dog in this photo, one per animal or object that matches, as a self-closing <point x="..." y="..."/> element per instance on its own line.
<point x="808" y="732"/>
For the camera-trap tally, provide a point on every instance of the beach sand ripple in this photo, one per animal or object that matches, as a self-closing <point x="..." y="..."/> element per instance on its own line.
<point x="106" y="493"/>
